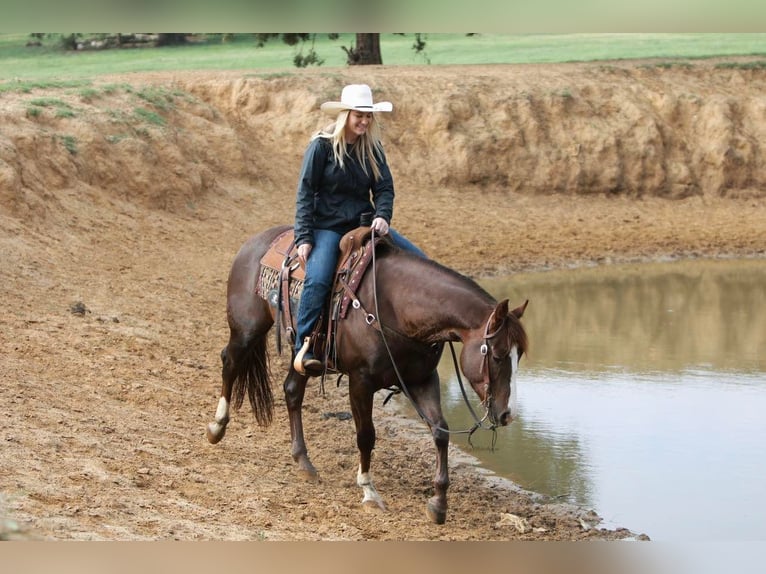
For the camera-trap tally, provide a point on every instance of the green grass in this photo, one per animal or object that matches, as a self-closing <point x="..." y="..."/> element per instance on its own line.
<point x="756" y="65"/>
<point x="28" y="86"/>
<point x="553" y="48"/>
<point x="70" y="143"/>
<point x="89" y="94"/>
<point x="28" y="67"/>
<point x="61" y="108"/>
<point x="158" y="97"/>
<point x="149" y="116"/>
<point x="49" y="103"/>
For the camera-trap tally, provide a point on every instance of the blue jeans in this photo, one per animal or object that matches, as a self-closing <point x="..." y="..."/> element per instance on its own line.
<point x="403" y="243"/>
<point x="320" y="271"/>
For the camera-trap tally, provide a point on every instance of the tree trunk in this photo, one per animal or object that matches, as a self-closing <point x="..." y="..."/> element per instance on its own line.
<point x="366" y="51"/>
<point x="171" y="39"/>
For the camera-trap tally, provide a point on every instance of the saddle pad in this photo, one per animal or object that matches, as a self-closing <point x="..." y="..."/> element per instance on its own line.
<point x="269" y="279"/>
<point x="278" y="251"/>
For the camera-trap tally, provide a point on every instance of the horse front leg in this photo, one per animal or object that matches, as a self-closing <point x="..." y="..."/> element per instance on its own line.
<point x="427" y="397"/>
<point x="295" y="390"/>
<point x="361" y="407"/>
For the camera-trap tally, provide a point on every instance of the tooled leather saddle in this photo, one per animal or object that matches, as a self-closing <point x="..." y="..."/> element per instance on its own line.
<point x="281" y="280"/>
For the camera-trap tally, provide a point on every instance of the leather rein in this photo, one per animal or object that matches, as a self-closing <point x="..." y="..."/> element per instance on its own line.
<point x="479" y="423"/>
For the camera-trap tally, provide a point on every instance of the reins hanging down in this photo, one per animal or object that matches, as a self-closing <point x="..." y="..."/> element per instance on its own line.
<point x="478" y="422"/>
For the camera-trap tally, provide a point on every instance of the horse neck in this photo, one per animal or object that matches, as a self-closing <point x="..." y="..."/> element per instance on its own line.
<point x="433" y="303"/>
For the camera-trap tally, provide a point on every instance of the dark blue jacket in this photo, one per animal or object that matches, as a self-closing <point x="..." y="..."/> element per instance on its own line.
<point x="331" y="198"/>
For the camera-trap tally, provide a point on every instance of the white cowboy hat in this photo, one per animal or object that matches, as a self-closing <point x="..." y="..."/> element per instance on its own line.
<point x="356" y="97"/>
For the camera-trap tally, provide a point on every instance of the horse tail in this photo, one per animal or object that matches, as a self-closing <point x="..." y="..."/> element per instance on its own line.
<point x="252" y="376"/>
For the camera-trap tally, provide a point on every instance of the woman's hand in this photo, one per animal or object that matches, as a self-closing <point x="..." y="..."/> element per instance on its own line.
<point x="304" y="249"/>
<point x="380" y="226"/>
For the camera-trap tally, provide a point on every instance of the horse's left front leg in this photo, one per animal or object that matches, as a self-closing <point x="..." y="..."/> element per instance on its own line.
<point x="361" y="407"/>
<point x="427" y="397"/>
<point x="295" y="389"/>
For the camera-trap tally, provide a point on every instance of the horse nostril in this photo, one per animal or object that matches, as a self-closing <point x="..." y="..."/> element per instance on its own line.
<point x="505" y="418"/>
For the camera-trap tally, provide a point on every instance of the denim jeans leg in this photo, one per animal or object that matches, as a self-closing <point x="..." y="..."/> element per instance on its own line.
<point x="320" y="269"/>
<point x="403" y="243"/>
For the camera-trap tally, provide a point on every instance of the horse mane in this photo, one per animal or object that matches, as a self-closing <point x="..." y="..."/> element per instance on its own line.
<point x="384" y="248"/>
<point x="518" y="334"/>
<point x="516" y="329"/>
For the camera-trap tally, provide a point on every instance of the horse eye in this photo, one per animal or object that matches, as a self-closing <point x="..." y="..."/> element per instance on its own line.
<point x="500" y="354"/>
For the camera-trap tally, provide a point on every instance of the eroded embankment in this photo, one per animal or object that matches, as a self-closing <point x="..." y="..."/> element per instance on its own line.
<point x="628" y="128"/>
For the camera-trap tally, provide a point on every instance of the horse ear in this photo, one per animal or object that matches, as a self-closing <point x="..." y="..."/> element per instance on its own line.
<point x="518" y="312"/>
<point x="498" y="316"/>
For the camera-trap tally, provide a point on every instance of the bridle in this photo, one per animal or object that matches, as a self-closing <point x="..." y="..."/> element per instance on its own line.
<point x="479" y="423"/>
<point x="484" y="349"/>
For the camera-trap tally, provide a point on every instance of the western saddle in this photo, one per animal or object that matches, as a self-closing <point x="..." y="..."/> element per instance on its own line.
<point x="281" y="284"/>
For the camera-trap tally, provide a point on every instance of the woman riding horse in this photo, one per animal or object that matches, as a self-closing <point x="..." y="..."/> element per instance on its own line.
<point x="343" y="166"/>
<point x="407" y="308"/>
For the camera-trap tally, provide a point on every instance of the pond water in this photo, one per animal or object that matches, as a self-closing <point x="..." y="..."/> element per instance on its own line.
<point x="643" y="396"/>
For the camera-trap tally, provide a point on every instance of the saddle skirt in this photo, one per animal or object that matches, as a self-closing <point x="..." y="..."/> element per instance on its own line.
<point x="281" y="280"/>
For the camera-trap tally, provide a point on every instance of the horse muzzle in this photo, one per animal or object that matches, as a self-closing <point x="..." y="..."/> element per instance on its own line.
<point x="500" y="419"/>
<point x="505" y="418"/>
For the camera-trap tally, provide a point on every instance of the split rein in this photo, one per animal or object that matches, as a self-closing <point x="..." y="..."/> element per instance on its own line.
<point x="478" y="422"/>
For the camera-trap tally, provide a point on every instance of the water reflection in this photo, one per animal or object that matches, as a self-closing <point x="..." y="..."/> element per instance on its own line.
<point x="653" y="317"/>
<point x="642" y="397"/>
<point x="532" y="453"/>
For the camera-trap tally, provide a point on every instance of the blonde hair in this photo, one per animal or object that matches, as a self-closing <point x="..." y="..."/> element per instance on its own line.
<point x="368" y="145"/>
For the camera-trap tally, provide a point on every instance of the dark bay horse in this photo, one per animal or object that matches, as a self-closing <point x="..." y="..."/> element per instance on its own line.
<point x="409" y="309"/>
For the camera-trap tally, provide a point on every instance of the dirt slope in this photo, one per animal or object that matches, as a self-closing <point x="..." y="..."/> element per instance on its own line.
<point x="130" y="197"/>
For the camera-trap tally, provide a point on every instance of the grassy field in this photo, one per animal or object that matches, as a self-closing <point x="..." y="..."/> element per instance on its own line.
<point x="48" y="62"/>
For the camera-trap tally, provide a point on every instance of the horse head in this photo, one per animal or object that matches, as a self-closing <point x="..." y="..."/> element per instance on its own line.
<point x="490" y="359"/>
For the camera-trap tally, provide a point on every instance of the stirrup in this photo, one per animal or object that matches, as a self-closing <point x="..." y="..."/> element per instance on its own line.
<point x="303" y="367"/>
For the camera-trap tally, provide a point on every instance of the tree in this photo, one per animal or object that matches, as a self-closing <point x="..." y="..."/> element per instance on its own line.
<point x="366" y="51"/>
<point x="300" y="60"/>
<point x="165" y="39"/>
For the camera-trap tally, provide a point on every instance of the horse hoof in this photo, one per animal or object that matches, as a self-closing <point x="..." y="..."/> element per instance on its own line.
<point x="373" y="507"/>
<point x="308" y="475"/>
<point x="306" y="471"/>
<point x="215" y="432"/>
<point x="435" y="513"/>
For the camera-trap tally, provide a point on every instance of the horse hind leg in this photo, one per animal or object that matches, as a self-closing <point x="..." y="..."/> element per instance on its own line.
<point x="244" y="371"/>
<point x="217" y="429"/>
